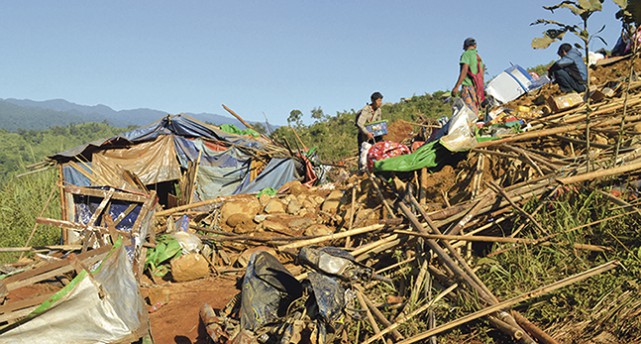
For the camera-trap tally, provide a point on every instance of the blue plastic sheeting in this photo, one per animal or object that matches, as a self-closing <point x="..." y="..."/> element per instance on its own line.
<point x="276" y="174"/>
<point x="148" y="133"/>
<point x="179" y="125"/>
<point x="188" y="150"/>
<point x="221" y="173"/>
<point x="72" y="176"/>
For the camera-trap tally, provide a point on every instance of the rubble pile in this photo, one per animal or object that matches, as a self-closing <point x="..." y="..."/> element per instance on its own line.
<point x="379" y="255"/>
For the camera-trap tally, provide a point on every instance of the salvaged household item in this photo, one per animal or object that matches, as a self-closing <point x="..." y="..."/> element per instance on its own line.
<point x="565" y="101"/>
<point x="378" y="128"/>
<point x="509" y="84"/>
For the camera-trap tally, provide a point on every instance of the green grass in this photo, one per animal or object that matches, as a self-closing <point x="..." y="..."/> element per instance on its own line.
<point x="21" y="201"/>
<point x="529" y="267"/>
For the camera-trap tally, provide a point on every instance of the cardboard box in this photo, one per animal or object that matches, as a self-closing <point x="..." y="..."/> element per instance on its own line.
<point x="565" y="101"/>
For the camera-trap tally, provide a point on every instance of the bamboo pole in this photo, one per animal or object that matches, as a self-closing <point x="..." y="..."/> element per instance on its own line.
<point x="333" y="236"/>
<point x="480" y="238"/>
<point x="190" y="206"/>
<point x="397" y="335"/>
<point x="35" y="225"/>
<point x="546" y="132"/>
<point x="466" y="273"/>
<point x="404" y="318"/>
<point x="600" y="174"/>
<point x="380" y="194"/>
<point x="41" y="248"/>
<point x="513" y="301"/>
<point x="369" y="315"/>
<point x="517" y="207"/>
<point x="243" y="121"/>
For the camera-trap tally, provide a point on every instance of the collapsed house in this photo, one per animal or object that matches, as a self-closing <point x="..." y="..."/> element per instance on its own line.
<point x="183" y="160"/>
<point x="110" y="191"/>
<point x="400" y="246"/>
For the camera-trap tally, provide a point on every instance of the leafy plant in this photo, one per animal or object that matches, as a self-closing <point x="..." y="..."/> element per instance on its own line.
<point x="583" y="9"/>
<point x="167" y="247"/>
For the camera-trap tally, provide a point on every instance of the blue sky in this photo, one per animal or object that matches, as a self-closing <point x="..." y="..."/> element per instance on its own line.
<point x="260" y="58"/>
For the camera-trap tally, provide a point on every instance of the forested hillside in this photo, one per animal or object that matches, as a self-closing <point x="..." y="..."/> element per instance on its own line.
<point x="38" y="115"/>
<point x="24" y="147"/>
<point x="334" y="137"/>
<point x="14" y="117"/>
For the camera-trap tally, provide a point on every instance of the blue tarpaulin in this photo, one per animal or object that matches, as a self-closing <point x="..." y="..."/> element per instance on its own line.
<point x="224" y="167"/>
<point x="276" y="174"/>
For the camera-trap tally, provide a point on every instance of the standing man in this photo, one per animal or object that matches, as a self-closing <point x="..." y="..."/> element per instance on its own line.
<point x="471" y="76"/>
<point x="370" y="113"/>
<point x="570" y="71"/>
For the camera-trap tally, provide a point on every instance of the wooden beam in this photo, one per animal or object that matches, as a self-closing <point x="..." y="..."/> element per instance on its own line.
<point x="118" y="195"/>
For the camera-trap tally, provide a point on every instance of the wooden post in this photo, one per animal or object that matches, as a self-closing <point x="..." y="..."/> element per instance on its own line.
<point x="63" y="204"/>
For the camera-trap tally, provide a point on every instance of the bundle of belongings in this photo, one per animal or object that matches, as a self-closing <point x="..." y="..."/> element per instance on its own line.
<point x="274" y="307"/>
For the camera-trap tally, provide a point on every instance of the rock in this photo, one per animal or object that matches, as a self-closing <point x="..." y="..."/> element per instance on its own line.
<point x="293" y="206"/>
<point x="275" y="206"/>
<point x="309" y="204"/>
<point x="244" y="257"/>
<point x="274" y="226"/>
<point x="238" y="220"/>
<point x="159" y="296"/>
<point x="301" y="198"/>
<point x="300" y="222"/>
<point x="318" y="230"/>
<point x="600" y="139"/>
<point x="248" y="206"/>
<point x="332" y="202"/>
<point x="260" y="218"/>
<point x="296" y="188"/>
<point x="318" y="199"/>
<point x="264" y="199"/>
<point x="189" y="267"/>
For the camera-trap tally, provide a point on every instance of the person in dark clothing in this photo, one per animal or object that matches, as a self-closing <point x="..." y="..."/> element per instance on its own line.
<point x="570" y="71"/>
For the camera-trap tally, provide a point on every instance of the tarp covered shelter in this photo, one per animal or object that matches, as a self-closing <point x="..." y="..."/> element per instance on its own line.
<point x="162" y="151"/>
<point x="183" y="159"/>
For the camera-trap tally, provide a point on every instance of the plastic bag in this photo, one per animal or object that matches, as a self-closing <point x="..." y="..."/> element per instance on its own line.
<point x="460" y="133"/>
<point x="189" y="242"/>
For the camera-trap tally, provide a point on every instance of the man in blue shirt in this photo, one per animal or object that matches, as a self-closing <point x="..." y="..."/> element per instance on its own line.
<point x="570" y="71"/>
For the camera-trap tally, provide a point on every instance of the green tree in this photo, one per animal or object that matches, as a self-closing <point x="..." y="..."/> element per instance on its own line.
<point x="583" y="9"/>
<point x="295" y="117"/>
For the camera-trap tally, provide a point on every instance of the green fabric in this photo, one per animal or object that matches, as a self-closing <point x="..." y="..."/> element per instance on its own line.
<point x="469" y="58"/>
<point x="425" y="156"/>
<point x="232" y="129"/>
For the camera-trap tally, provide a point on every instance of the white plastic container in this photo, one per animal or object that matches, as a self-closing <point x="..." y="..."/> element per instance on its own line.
<point x="509" y="85"/>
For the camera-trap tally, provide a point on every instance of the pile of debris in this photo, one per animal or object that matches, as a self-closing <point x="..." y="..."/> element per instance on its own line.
<point x="375" y="257"/>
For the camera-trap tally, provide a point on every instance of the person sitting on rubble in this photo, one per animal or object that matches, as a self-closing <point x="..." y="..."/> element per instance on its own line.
<point x="370" y="113"/>
<point x="570" y="71"/>
<point x="471" y="77"/>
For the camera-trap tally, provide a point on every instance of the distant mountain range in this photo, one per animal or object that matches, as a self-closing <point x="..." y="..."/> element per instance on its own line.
<point x="37" y="115"/>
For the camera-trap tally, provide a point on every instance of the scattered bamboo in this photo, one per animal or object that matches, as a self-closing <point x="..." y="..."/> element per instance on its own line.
<point x="513" y="301"/>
